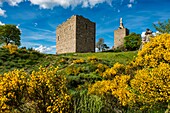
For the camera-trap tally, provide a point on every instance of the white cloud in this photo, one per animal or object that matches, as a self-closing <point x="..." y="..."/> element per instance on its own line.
<point x="11" y="2"/>
<point x="49" y="4"/>
<point x="18" y="26"/>
<point x="35" y="24"/>
<point x="132" y="1"/>
<point x="129" y="5"/>
<point x="45" y="49"/>
<point x="1" y="23"/>
<point x="2" y="13"/>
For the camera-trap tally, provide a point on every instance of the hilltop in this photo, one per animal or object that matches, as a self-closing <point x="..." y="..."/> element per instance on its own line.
<point x="31" y="60"/>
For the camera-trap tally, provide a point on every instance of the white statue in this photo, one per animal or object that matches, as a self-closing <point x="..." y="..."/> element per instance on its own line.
<point x="121" y="20"/>
<point x="121" y="24"/>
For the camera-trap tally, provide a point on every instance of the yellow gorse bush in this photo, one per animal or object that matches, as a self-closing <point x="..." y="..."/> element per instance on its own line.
<point x="154" y="52"/>
<point x="92" y="59"/>
<point x="148" y="81"/>
<point x="41" y="91"/>
<point x="151" y="86"/>
<point x="11" y="47"/>
<point x="12" y="90"/>
<point x="49" y="90"/>
<point x="101" y="68"/>
<point x="78" y="61"/>
<point x="117" y="69"/>
<point x="73" y="70"/>
<point x="117" y="87"/>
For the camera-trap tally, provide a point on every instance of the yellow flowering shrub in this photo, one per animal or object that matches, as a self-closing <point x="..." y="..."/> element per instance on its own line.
<point x="12" y="48"/>
<point x="62" y="61"/>
<point x="118" y="87"/>
<point x="12" y="90"/>
<point x="92" y="59"/>
<point x="148" y="83"/>
<point x="154" y="52"/>
<point x="78" y="61"/>
<point x="117" y="69"/>
<point x="101" y="68"/>
<point x="73" y="70"/>
<point x="42" y="91"/>
<point x="152" y="86"/>
<point x="49" y="91"/>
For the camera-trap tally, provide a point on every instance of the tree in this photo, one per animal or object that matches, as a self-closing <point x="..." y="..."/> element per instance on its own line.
<point x="163" y="27"/>
<point x="9" y="34"/>
<point x="105" y="47"/>
<point x="99" y="44"/>
<point x="132" y="41"/>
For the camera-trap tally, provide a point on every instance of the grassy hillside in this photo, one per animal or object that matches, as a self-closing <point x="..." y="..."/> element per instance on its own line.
<point x="31" y="60"/>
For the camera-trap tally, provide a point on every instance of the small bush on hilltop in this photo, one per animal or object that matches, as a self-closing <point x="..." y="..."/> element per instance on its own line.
<point x="132" y="42"/>
<point x="12" y="48"/>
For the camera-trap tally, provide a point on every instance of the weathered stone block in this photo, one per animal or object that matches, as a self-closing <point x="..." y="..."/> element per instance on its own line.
<point x="77" y="34"/>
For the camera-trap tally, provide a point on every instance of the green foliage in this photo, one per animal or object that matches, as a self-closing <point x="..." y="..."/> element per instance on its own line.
<point x="84" y="103"/>
<point x="132" y="42"/>
<point x="20" y="59"/>
<point x="163" y="27"/>
<point x="100" y="43"/>
<point x="105" y="47"/>
<point x="9" y="34"/>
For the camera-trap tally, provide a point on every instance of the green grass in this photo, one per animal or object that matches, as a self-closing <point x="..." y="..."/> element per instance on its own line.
<point x="121" y="57"/>
<point x="31" y="60"/>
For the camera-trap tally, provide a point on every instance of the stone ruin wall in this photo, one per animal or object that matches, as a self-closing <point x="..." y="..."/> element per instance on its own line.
<point x="85" y="33"/>
<point x="119" y="37"/>
<point x="77" y="34"/>
<point x="66" y="36"/>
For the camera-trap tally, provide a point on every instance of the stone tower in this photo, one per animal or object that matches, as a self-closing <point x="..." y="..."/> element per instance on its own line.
<point x="119" y="35"/>
<point x="77" y="34"/>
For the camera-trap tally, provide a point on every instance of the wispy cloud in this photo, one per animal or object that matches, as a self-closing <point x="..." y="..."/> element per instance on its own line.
<point x="129" y="5"/>
<point x="49" y="4"/>
<point x="2" y="13"/>
<point x="45" y="4"/>
<point x="45" y="49"/>
<point x="11" y="2"/>
<point x="132" y="1"/>
<point x="1" y="23"/>
<point x="34" y="37"/>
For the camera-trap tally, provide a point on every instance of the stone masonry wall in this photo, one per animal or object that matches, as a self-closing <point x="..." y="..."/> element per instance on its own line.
<point x="119" y="37"/>
<point x="77" y="34"/>
<point x="85" y="35"/>
<point x="66" y="36"/>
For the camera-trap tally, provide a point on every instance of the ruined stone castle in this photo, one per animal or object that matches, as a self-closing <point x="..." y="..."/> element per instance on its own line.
<point x="76" y="35"/>
<point x="119" y="35"/>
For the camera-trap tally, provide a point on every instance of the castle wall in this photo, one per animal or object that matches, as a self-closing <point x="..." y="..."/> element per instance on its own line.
<point x="119" y="35"/>
<point x="77" y="34"/>
<point x="85" y="35"/>
<point x="66" y="36"/>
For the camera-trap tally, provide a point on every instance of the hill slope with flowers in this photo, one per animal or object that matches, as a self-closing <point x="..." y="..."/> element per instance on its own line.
<point x="90" y="84"/>
<point x="12" y="58"/>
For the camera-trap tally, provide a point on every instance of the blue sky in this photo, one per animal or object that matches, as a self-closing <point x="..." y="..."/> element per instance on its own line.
<point x="38" y="19"/>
